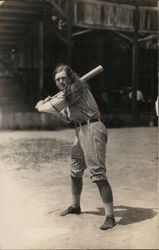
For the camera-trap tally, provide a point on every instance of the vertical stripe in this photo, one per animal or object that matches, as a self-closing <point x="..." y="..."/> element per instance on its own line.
<point x="85" y="108"/>
<point x="93" y="141"/>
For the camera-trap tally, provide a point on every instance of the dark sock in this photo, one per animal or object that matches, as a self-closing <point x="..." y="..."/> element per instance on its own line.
<point x="77" y="184"/>
<point x="105" y="191"/>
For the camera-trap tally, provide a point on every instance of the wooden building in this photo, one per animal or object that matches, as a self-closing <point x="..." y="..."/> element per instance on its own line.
<point x="35" y="35"/>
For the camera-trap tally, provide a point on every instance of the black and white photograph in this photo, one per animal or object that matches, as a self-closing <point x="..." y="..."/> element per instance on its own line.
<point x="79" y="124"/>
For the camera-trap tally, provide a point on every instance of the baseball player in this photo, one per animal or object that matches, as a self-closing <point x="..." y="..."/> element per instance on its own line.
<point x="75" y="103"/>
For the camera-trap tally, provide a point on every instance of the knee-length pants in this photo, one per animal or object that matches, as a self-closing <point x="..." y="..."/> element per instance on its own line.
<point x="89" y="150"/>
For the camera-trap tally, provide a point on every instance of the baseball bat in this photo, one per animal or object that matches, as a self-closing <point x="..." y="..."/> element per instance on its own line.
<point x="92" y="73"/>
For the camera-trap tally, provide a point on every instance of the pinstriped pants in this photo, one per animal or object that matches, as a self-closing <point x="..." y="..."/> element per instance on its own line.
<point x="89" y="150"/>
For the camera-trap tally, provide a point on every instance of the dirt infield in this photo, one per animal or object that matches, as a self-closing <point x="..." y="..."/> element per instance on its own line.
<point x="35" y="188"/>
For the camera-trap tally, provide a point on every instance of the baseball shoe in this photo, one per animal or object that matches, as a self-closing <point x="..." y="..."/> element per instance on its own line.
<point x="71" y="210"/>
<point x="109" y="223"/>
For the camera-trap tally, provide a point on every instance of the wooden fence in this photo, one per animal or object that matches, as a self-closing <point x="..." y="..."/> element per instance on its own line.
<point x="42" y="121"/>
<point x="29" y="120"/>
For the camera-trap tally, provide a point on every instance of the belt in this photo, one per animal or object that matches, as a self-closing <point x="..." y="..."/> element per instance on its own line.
<point x="79" y="124"/>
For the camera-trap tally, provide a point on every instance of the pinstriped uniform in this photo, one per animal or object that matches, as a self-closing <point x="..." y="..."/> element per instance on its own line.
<point x="89" y="148"/>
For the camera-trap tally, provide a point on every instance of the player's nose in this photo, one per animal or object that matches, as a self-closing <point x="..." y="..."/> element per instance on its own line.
<point x="61" y="80"/>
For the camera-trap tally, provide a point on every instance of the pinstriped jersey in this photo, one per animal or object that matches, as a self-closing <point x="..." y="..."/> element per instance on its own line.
<point x="80" y="108"/>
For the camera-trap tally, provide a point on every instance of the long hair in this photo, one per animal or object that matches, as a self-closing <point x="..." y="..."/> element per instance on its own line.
<point x="74" y="85"/>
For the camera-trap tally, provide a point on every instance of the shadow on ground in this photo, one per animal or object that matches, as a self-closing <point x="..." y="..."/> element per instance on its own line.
<point x="129" y="215"/>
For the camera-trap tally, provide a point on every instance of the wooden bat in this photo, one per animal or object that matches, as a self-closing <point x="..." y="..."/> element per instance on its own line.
<point x="92" y="73"/>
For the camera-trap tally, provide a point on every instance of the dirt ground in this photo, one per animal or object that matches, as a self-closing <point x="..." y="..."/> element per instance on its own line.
<point x="35" y="188"/>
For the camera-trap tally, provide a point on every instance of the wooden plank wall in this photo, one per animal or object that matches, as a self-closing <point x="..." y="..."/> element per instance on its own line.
<point x="114" y="16"/>
<point x="148" y="19"/>
<point x="29" y="120"/>
<point x="13" y="96"/>
<point x="42" y="121"/>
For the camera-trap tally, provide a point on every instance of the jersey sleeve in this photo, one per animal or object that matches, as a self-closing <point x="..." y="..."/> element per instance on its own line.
<point x="55" y="106"/>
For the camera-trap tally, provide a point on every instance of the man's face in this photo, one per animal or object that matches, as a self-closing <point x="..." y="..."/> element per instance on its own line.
<point x="61" y="79"/>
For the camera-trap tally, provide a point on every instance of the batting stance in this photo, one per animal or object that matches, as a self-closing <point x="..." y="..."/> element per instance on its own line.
<point x="75" y="103"/>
